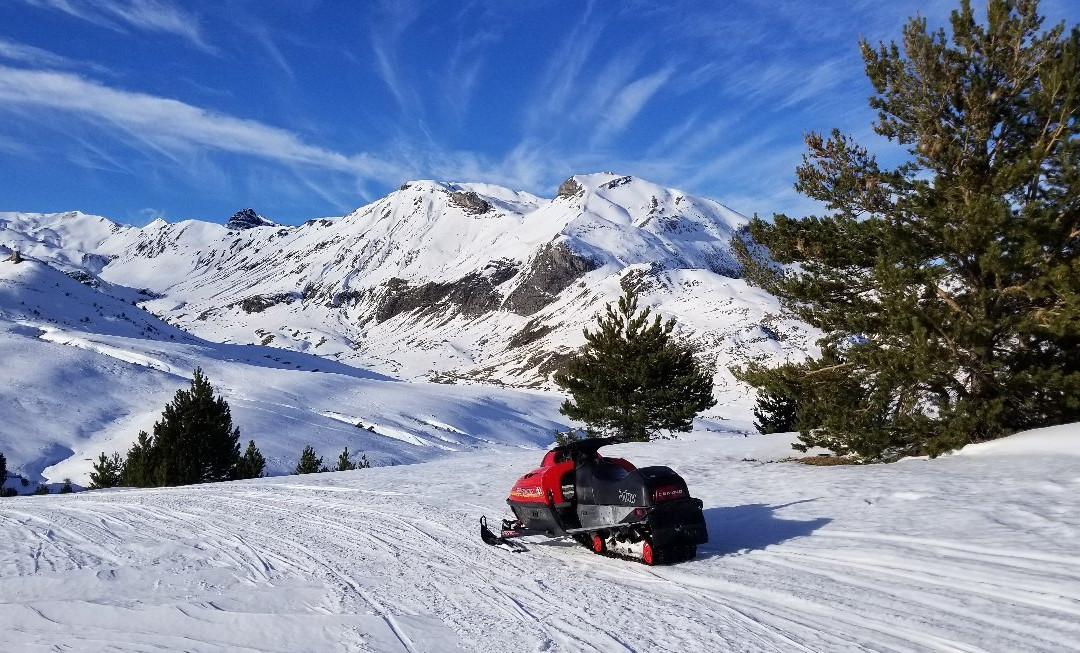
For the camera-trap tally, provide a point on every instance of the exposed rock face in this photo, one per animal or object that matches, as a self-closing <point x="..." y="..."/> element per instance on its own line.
<point x="569" y="188"/>
<point x="473" y="295"/>
<point x="247" y="219"/>
<point x="532" y="332"/>
<point x="259" y="303"/>
<point x="553" y="270"/>
<point x="619" y="181"/>
<point x="470" y="202"/>
<point x="501" y="271"/>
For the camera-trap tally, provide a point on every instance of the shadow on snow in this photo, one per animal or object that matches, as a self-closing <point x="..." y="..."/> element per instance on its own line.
<point x="751" y="527"/>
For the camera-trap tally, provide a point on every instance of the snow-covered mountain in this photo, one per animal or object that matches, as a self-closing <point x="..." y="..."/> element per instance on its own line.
<point x="443" y="281"/>
<point x="458" y="288"/>
<point x="84" y="371"/>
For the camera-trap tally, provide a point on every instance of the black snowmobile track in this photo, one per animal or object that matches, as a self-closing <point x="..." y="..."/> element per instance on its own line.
<point x="666" y="556"/>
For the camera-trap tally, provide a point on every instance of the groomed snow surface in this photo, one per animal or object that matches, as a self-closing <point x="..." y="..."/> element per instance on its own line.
<point x="962" y="553"/>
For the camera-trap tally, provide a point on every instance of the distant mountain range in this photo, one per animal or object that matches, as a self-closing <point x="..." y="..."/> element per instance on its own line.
<point x="308" y="330"/>
<point x="437" y="281"/>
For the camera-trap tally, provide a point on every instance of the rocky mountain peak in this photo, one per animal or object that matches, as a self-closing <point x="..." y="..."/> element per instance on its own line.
<point x="248" y="219"/>
<point x="569" y="188"/>
<point x="470" y="202"/>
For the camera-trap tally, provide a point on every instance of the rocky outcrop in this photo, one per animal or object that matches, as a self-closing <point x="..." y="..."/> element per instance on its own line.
<point x="529" y="334"/>
<point x="259" y="303"/>
<point x="570" y="188"/>
<point x="470" y="202"/>
<point x="248" y="219"/>
<point x="618" y="181"/>
<point x="552" y="271"/>
<point x="472" y="295"/>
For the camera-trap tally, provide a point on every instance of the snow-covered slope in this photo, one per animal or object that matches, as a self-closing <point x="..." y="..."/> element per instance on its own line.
<point x="442" y="280"/>
<point x="84" y="372"/>
<point x="961" y="553"/>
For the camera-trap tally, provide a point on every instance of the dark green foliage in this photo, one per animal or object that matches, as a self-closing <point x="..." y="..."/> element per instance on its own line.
<point x="947" y="287"/>
<point x="42" y="489"/>
<point x="4" y="491"/>
<point x="194" y="442"/>
<point x="343" y="462"/>
<point x="309" y="462"/>
<point x="777" y="398"/>
<point x="633" y="378"/>
<point x="563" y="438"/>
<point x="66" y="487"/>
<point x="363" y="463"/>
<point x="251" y="464"/>
<point x="775" y="413"/>
<point x="108" y="472"/>
<point x="141" y="461"/>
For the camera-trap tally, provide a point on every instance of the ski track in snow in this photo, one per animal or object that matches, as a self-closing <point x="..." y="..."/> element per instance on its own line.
<point x="389" y="559"/>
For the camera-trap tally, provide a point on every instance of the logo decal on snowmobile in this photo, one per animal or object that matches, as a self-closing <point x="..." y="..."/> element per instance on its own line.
<point x="668" y="493"/>
<point x="527" y="492"/>
<point x="627" y="497"/>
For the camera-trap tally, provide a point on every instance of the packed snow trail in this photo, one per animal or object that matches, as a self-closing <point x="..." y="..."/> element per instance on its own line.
<point x="966" y="553"/>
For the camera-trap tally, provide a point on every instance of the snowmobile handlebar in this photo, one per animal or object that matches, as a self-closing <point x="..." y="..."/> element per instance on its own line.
<point x="586" y="449"/>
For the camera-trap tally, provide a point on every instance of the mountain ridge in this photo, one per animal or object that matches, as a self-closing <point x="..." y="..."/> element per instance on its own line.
<point x="448" y="281"/>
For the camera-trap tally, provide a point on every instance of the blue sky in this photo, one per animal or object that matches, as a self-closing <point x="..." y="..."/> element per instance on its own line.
<point x="136" y="109"/>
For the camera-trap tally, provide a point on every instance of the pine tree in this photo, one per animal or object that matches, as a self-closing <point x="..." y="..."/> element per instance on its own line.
<point x="42" y="489"/>
<point x="363" y="463"/>
<point x="774" y="412"/>
<point x="343" y="462"/>
<point x="3" y="470"/>
<point x="193" y="442"/>
<point x="195" y="438"/>
<point x="140" y="464"/>
<point x="108" y="472"/>
<point x="633" y="378"/>
<point x="66" y="488"/>
<point x="948" y="286"/>
<point x="309" y="462"/>
<point x="251" y="464"/>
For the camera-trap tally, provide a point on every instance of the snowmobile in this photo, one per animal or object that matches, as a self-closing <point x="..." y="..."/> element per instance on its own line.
<point x="606" y="504"/>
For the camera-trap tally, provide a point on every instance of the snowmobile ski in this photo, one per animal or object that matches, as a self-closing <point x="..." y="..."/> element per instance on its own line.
<point x="499" y="540"/>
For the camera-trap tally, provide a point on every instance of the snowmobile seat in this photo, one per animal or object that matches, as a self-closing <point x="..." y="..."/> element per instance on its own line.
<point x="605" y="482"/>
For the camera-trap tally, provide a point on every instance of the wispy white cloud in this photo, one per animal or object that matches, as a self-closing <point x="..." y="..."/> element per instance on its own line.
<point x="815" y="83"/>
<point x="170" y="126"/>
<point x="39" y="58"/>
<point x="145" y="15"/>
<point x="558" y="83"/>
<point x="261" y="35"/>
<point x="690" y="137"/>
<point x="464" y="65"/>
<point x="598" y="84"/>
<point x="148" y="215"/>
<point x="385" y="37"/>
<point x="630" y="101"/>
